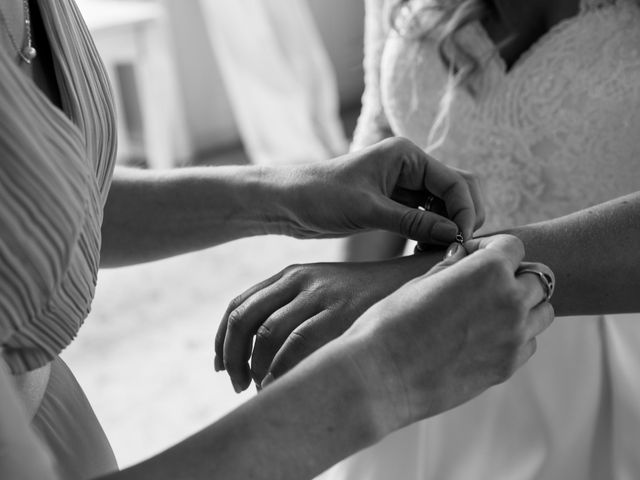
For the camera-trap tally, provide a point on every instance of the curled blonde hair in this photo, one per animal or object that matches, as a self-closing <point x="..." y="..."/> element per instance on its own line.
<point x="441" y="21"/>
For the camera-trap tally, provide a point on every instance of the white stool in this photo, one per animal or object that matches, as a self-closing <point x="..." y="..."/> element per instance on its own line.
<point x="133" y="34"/>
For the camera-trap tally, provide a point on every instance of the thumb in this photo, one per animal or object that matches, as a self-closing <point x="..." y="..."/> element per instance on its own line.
<point x="416" y="224"/>
<point x="455" y="253"/>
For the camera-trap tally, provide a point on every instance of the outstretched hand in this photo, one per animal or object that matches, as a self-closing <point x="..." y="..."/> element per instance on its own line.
<point x="382" y="188"/>
<point x="299" y="310"/>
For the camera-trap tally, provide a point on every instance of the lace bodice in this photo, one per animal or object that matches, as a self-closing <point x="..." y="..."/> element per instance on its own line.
<point x="557" y="132"/>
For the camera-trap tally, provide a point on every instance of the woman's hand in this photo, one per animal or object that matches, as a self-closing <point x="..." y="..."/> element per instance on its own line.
<point x="379" y="188"/>
<point x="300" y="309"/>
<point x="447" y="336"/>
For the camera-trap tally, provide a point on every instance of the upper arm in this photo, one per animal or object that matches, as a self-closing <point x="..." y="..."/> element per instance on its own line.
<point x="372" y="124"/>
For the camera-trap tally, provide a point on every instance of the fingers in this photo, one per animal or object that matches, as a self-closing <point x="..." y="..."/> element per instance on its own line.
<point x="540" y="318"/>
<point x="422" y="172"/>
<point x="309" y="337"/>
<point x="453" y="255"/>
<point x="417" y="224"/>
<point x="478" y="200"/>
<point x="235" y="303"/>
<point x="537" y="281"/>
<point x="242" y="325"/>
<point x="508" y="246"/>
<point x="273" y="333"/>
<point x="524" y="355"/>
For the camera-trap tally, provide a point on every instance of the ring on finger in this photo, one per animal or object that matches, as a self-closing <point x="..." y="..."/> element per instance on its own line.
<point x="546" y="280"/>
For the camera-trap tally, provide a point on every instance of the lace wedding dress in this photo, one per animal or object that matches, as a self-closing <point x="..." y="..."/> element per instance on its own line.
<point x="557" y="132"/>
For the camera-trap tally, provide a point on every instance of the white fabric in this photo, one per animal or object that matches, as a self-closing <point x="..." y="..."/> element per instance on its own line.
<point x="279" y="79"/>
<point x="557" y="133"/>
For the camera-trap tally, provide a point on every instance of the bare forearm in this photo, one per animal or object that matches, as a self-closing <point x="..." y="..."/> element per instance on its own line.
<point x="595" y="254"/>
<point x="151" y="215"/>
<point x="293" y="430"/>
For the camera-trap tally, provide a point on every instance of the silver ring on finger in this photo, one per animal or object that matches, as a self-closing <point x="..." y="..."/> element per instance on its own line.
<point x="548" y="285"/>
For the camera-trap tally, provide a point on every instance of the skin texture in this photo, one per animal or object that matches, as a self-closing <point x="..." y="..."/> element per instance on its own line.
<point x="145" y="220"/>
<point x="151" y="215"/>
<point x="419" y="352"/>
<point x="300" y="309"/>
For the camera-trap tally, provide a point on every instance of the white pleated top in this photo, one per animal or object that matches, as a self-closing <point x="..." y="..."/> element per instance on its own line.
<point x="55" y="173"/>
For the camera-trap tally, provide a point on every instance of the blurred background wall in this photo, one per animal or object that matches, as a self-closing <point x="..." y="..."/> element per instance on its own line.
<point x="340" y="24"/>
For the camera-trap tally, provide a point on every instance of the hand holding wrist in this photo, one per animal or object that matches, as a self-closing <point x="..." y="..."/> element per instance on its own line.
<point x="447" y="336"/>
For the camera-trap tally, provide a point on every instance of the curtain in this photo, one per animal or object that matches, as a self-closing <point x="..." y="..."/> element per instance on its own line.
<point x="279" y="79"/>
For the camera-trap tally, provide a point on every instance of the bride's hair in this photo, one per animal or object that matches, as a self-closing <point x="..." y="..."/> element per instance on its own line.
<point x="440" y="21"/>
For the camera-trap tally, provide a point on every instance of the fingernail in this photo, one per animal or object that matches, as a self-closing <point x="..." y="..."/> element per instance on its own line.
<point x="267" y="380"/>
<point x="444" y="232"/>
<point x="236" y="387"/>
<point x="217" y="364"/>
<point x="453" y="250"/>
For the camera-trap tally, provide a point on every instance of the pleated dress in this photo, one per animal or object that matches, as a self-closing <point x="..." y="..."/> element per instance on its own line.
<point x="56" y="164"/>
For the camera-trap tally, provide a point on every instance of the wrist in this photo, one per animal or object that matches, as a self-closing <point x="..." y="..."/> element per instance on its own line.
<point x="271" y="199"/>
<point x="416" y="265"/>
<point x="378" y="387"/>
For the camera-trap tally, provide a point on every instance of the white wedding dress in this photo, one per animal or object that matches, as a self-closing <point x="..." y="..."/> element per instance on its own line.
<point x="558" y="132"/>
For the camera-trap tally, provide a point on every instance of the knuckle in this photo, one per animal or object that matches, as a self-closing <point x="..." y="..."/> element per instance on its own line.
<point x="515" y="244"/>
<point x="398" y="143"/>
<point x="496" y="267"/>
<point x="472" y="179"/>
<point x="296" y="348"/>
<point x="551" y="311"/>
<point x="507" y="367"/>
<point x="291" y="269"/>
<point x="518" y="338"/>
<point x="411" y="222"/>
<point x="235" y="322"/>
<point x="294" y="272"/>
<point x="548" y="314"/>
<point x="235" y="303"/>
<point x="264" y="334"/>
<point x="298" y="342"/>
<point x="515" y="298"/>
